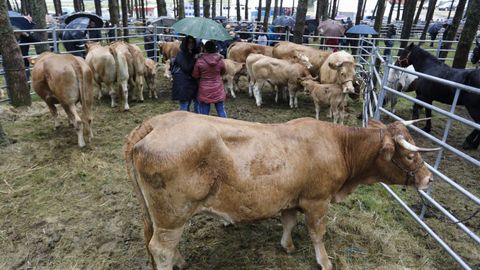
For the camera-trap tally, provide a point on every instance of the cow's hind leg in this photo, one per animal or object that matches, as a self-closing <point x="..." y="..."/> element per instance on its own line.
<point x="124" y="91"/>
<point x="78" y="124"/>
<point x="139" y="87"/>
<point x="289" y="220"/>
<point x="53" y="111"/>
<point x="316" y="214"/>
<point x="112" y="93"/>
<point x="256" y="92"/>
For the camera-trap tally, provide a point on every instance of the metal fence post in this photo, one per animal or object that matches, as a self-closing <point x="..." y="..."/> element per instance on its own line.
<point x="155" y="37"/>
<point x="382" y="93"/>
<point x="440" y="41"/>
<point x="115" y="27"/>
<point x="55" y="39"/>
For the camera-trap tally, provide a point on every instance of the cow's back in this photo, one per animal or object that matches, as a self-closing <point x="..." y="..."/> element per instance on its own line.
<point x="102" y="64"/>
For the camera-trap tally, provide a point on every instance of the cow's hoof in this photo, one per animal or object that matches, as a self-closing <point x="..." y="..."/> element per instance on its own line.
<point x="289" y="249"/>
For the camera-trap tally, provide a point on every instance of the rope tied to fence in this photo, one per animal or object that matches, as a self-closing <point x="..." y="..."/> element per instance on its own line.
<point x="442" y="218"/>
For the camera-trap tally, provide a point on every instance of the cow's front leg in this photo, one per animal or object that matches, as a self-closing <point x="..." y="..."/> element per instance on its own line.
<point x="257" y="94"/>
<point x="163" y="248"/>
<point x="296" y="99"/>
<point x="291" y="94"/>
<point x="289" y="220"/>
<point x="316" y="215"/>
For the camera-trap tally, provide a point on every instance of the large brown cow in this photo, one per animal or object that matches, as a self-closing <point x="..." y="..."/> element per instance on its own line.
<point x="66" y="80"/>
<point x="288" y="50"/>
<point x="102" y="64"/>
<point x="239" y="51"/>
<point x="237" y="171"/>
<point x="168" y="50"/>
<point x="280" y="74"/>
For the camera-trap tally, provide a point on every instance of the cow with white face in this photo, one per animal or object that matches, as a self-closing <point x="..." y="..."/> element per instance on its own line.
<point x="339" y="64"/>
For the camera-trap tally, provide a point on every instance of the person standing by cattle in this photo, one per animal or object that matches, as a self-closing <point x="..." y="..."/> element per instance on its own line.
<point x="391" y="32"/>
<point x="185" y="87"/>
<point x="209" y="69"/>
<point x="149" y="42"/>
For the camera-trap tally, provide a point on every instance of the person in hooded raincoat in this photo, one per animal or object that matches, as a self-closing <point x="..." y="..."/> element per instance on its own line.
<point x="209" y="69"/>
<point x="185" y="87"/>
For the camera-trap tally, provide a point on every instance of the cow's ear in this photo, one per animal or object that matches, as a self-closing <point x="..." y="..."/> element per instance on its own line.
<point x="332" y="66"/>
<point x="388" y="148"/>
<point x="374" y="123"/>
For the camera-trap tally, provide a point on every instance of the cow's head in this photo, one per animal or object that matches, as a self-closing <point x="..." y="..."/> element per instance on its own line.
<point x="308" y="83"/>
<point x="393" y="80"/>
<point x="399" y="161"/>
<point x="90" y="45"/>
<point x="345" y="75"/>
<point x="302" y="59"/>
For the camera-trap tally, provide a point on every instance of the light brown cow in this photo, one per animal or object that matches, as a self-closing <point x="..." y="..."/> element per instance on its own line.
<point x="168" y="50"/>
<point x="167" y="73"/>
<point x="328" y="94"/>
<point x="239" y="51"/>
<point x="237" y="171"/>
<point x="121" y="54"/>
<point x="102" y="64"/>
<point x="288" y="50"/>
<point x="339" y="64"/>
<point x="150" y="75"/>
<point x="232" y="72"/>
<point x="279" y="73"/>
<point x="66" y="80"/>
<point x="136" y="77"/>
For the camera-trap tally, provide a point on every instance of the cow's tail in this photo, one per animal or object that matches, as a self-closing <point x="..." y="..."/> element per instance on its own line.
<point x="85" y="87"/>
<point x="133" y="138"/>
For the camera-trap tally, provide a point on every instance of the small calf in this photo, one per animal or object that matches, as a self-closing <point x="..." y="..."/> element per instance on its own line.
<point x="150" y="75"/>
<point x="330" y="94"/>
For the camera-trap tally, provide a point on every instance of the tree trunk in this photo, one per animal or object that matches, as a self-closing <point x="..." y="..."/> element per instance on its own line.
<point x="246" y="10"/>
<point x="392" y="7"/>
<point x="125" y="19"/>
<point x="409" y="12"/>
<point x="25" y="5"/>
<point x="468" y="35"/>
<point x="175" y="9"/>
<point x="239" y="17"/>
<point x="281" y="8"/>
<point x="221" y="7"/>
<point x="142" y="11"/>
<point x="450" y="10"/>
<point x="275" y="9"/>
<point x="375" y="9"/>
<point x="405" y="5"/>
<point x="268" y="5"/>
<point x="76" y="6"/>
<point x="17" y="86"/>
<point x="428" y="17"/>
<point x="214" y="8"/>
<point x="325" y="10"/>
<point x="259" y="16"/>
<point x="228" y="10"/>
<point x="58" y="7"/>
<point x="137" y="14"/>
<point x="114" y="13"/>
<point x="38" y="16"/>
<point x="300" y="21"/>
<point x="206" y="8"/>
<point x="379" y="17"/>
<point x="181" y="9"/>
<point x="196" y="8"/>
<point x="9" y="7"/>
<point x="82" y="5"/>
<point x="398" y="10"/>
<point x="334" y="9"/>
<point x="98" y="7"/>
<point x="358" y="17"/>
<point x="161" y="8"/>
<point x="452" y="32"/>
<point x="363" y="8"/>
<point x="420" y="7"/>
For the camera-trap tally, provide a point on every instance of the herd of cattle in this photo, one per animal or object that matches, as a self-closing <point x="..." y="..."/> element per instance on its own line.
<point x="231" y="168"/>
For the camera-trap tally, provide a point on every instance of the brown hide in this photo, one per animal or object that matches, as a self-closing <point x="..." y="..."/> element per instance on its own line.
<point x="239" y="51"/>
<point x="244" y="171"/>
<point x="168" y="50"/>
<point x="66" y="80"/>
<point x="102" y="64"/>
<point x="150" y="75"/>
<point x="288" y="50"/>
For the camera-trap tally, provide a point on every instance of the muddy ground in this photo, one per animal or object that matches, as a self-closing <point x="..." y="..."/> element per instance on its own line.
<point x="62" y="207"/>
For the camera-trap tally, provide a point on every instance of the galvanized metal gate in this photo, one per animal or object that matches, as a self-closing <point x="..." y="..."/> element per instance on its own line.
<point x="374" y="96"/>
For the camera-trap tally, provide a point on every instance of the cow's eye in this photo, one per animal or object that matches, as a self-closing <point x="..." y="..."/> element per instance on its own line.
<point x="410" y="157"/>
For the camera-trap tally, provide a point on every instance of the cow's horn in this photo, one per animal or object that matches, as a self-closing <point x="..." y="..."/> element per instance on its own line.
<point x="409" y="122"/>
<point x="401" y="140"/>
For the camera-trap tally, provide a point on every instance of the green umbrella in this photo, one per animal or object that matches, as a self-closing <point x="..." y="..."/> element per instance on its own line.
<point x="203" y="28"/>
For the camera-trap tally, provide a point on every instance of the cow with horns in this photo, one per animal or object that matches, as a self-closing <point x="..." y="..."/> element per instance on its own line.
<point x="235" y="170"/>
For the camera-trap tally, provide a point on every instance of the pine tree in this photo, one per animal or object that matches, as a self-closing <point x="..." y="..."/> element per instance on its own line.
<point x="468" y="35"/>
<point x="38" y="15"/>
<point x="300" y="21"/>
<point x="452" y="31"/>
<point x="98" y="7"/>
<point x="409" y="12"/>
<point x="268" y="5"/>
<point x="206" y="8"/>
<point x="428" y="17"/>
